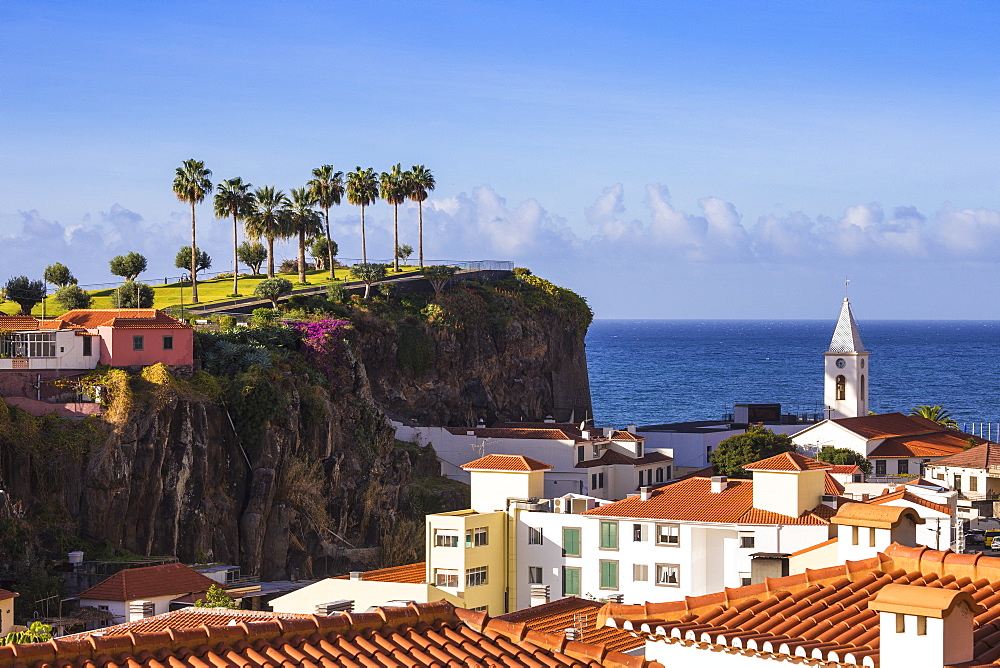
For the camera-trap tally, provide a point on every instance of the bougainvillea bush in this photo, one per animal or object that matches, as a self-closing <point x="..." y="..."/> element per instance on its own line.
<point x="324" y="345"/>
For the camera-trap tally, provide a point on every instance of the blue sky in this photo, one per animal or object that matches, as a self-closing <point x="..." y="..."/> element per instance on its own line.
<point x="666" y="160"/>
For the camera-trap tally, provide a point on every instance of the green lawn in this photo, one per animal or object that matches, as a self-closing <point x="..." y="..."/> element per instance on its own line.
<point x="209" y="291"/>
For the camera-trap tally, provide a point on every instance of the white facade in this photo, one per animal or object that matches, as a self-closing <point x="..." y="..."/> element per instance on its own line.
<point x="51" y="349"/>
<point x="845" y="390"/>
<point x="363" y="595"/>
<point x="119" y="609"/>
<point x="690" y="448"/>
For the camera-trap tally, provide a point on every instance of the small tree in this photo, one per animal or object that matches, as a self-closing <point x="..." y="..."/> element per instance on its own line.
<point x="322" y="252"/>
<point x="844" y="457"/>
<point x="183" y="259"/>
<point x="133" y="295"/>
<point x="758" y="443"/>
<point x="439" y="275"/>
<point x="128" y="266"/>
<point x="404" y="251"/>
<point x="59" y="275"/>
<point x="252" y="254"/>
<point x="273" y="289"/>
<point x="386" y="290"/>
<point x="25" y="292"/>
<point x="72" y="297"/>
<point x="368" y="273"/>
<point x="216" y="597"/>
<point x="335" y="293"/>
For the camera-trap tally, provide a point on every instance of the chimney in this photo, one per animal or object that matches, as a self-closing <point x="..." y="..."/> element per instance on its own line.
<point x="75" y="559"/>
<point x="631" y="429"/>
<point x="481" y="423"/>
<point x="539" y="594"/>
<point x="139" y="610"/>
<point x="585" y="434"/>
<point x="470" y="432"/>
<point x="719" y="484"/>
<point x="357" y="575"/>
<point x="646" y="492"/>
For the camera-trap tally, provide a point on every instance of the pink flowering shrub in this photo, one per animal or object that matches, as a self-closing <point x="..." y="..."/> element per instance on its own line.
<point x="324" y="346"/>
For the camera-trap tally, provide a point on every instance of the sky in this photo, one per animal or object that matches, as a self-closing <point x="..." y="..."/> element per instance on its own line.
<point x="665" y="160"/>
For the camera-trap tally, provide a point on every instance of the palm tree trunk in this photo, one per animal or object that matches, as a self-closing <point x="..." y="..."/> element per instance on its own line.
<point x="395" y="237"/>
<point x="236" y="257"/>
<point x="364" y="248"/>
<point x="270" y="257"/>
<point x="420" y="233"/>
<point x="329" y="244"/>
<point x="194" y="261"/>
<point x="302" y="255"/>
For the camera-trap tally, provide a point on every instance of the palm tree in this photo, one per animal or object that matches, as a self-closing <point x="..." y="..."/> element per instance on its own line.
<point x="936" y="413"/>
<point x="393" y="187"/>
<point x="362" y="190"/>
<point x="327" y="187"/>
<point x="304" y="221"/>
<point x="233" y="198"/>
<point x="268" y="220"/>
<point x="420" y="181"/>
<point x="192" y="184"/>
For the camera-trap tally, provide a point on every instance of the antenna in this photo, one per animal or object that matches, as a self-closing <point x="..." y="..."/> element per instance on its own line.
<point x="847" y="283"/>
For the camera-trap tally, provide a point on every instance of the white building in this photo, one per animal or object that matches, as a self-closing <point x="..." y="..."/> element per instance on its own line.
<point x="845" y="390"/>
<point x="974" y="473"/>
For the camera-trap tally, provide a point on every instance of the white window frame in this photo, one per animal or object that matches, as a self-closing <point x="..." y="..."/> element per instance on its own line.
<point x="643" y="532"/>
<point x="446" y="538"/>
<point x="476" y="577"/>
<point x="663" y="570"/>
<point x="667" y="531"/>
<point x="535" y="536"/>
<point x="747" y="540"/>
<point x="446" y="577"/>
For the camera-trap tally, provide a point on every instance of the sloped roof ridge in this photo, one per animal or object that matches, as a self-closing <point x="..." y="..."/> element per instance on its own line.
<point x="131" y="584"/>
<point x="513" y="463"/>
<point x="787" y="461"/>
<point x="981" y="456"/>
<point x="907" y="495"/>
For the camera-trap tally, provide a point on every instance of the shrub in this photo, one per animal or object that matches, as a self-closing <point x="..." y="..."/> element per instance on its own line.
<point x="261" y="317"/>
<point x="415" y="351"/>
<point x="335" y="293"/>
<point x="227" y="322"/>
<point x="522" y="271"/>
<point x="72" y="297"/>
<point x="273" y="289"/>
<point x="133" y="295"/>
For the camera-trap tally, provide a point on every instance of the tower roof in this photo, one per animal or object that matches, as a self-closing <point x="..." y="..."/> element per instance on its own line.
<point x="846" y="337"/>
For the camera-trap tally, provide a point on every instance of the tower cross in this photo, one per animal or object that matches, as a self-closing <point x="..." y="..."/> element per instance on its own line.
<point x="847" y="282"/>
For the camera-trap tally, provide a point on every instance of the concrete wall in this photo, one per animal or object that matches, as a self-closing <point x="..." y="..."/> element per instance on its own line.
<point x="461" y="559"/>
<point x="364" y="594"/>
<point x="6" y="616"/>
<point x="117" y="346"/>
<point x="788" y="493"/>
<point x="816" y="437"/>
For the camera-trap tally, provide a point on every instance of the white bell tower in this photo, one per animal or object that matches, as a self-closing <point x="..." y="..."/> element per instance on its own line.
<point x="846" y="387"/>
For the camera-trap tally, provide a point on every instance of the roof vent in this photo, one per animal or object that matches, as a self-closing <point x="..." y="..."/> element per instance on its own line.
<point x="357" y="575"/>
<point x="572" y="633"/>
<point x="719" y="484"/>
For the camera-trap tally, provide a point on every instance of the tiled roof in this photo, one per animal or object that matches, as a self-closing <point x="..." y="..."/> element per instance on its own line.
<point x="143" y="318"/>
<point x="829" y="541"/>
<point x="846" y="469"/>
<point x="18" y="323"/>
<point x="514" y="463"/>
<point x="907" y="495"/>
<point x="706" y="472"/>
<point x="832" y="486"/>
<point x="888" y="425"/>
<point x="624" y="435"/>
<point x="134" y="584"/>
<point x="879" y="517"/>
<point x="4" y="594"/>
<point x="431" y="634"/>
<point x="846" y="337"/>
<point x="581" y="613"/>
<point x="192" y="618"/>
<point x="824" y="613"/>
<point x="410" y="573"/>
<point x="941" y="444"/>
<point x="788" y="461"/>
<point x="982" y="457"/>
<point x="692" y="500"/>
<point x="613" y="457"/>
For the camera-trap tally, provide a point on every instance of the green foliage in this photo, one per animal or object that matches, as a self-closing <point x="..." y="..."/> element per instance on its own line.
<point x="128" y="266"/>
<point x="72" y="297"/>
<point x="232" y="351"/>
<point x="254" y="399"/>
<point x="273" y="289"/>
<point x="37" y="632"/>
<point x="368" y="273"/>
<point x="936" y="413"/>
<point x="318" y="251"/>
<point x="415" y="351"/>
<point x="844" y="457"/>
<point x="335" y="293"/>
<point x="386" y="290"/>
<point x="438" y="276"/>
<point x="262" y="317"/>
<point x="227" y="322"/>
<point x="59" y="275"/>
<point x="216" y="597"/>
<point x="252" y="254"/>
<point x="522" y="271"/>
<point x="133" y="295"/>
<point x="183" y="259"/>
<point x="301" y="485"/>
<point x="25" y="292"/>
<point x="570" y="306"/>
<point x="404" y="251"/>
<point x="460" y="308"/>
<point x="758" y="443"/>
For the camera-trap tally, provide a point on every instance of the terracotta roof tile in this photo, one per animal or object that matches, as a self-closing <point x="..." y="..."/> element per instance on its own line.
<point x="869" y="515"/>
<point x="613" y="458"/>
<point x="143" y="318"/>
<point x="832" y="486"/>
<point x="887" y="425"/>
<point x="788" y="461"/>
<point x="564" y="613"/>
<point x="939" y="444"/>
<point x="192" y="618"/>
<point x="846" y="469"/>
<point x="982" y="456"/>
<point x="18" y="323"/>
<point x="4" y="594"/>
<point x="624" y="435"/>
<point x="134" y="584"/>
<point x="409" y="573"/>
<point x="513" y="463"/>
<point x="906" y="495"/>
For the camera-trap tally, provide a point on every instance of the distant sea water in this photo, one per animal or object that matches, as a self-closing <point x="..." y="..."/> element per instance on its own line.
<point x="656" y="371"/>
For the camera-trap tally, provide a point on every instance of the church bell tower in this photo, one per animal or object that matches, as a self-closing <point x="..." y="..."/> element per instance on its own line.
<point x="846" y="387"/>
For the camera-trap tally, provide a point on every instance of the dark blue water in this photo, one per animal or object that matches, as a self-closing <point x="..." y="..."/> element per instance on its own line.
<point x="654" y="371"/>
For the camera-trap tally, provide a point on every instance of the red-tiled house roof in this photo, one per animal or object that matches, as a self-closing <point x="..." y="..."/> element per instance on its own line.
<point x="192" y="618"/>
<point x="846" y="469"/>
<point x="832" y="486"/>
<point x="613" y="458"/>
<point x="906" y="495"/>
<point x="940" y="444"/>
<point x="4" y="594"/>
<point x="888" y="425"/>
<point x="572" y="612"/>
<point x="692" y="500"/>
<point x="823" y="612"/>
<point x="134" y="584"/>
<point x="409" y="573"/>
<point x="981" y="457"/>
<point x="143" y="318"/>
<point x="431" y="634"/>
<point x="514" y="463"/>
<point x="18" y="323"/>
<point x="788" y="461"/>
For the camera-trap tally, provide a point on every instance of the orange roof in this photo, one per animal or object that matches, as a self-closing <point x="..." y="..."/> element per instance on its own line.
<point x="18" y="323"/>
<point x="430" y="634"/>
<point x="788" y="461"/>
<point x="939" y="444"/>
<point x="564" y="613"/>
<point x="846" y="469"/>
<point x="127" y="318"/>
<point x="982" y="456"/>
<point x="192" y="618"/>
<point x="692" y="500"/>
<point x="832" y="486"/>
<point x="513" y="463"/>
<point x="409" y="573"/>
<point x="826" y="611"/>
<point x="906" y="495"/>
<point x="888" y="425"/>
<point x="624" y="435"/>
<point x="134" y="584"/>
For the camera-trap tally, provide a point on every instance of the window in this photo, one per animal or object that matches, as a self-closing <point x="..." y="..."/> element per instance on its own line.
<point x="445" y="578"/>
<point x="863" y="387"/>
<point x="88" y="346"/>
<point x="957" y="478"/>
<point x="535" y="575"/>
<point x="668" y="473"/>
<point x="581" y="452"/>
<point x="903" y="466"/>
<point x="640" y="532"/>
<point x="668" y="534"/>
<point x="659" y="474"/>
<point x="640" y="478"/>
<point x="571" y="543"/>
<point x="939" y="475"/>
<point x="923" y="465"/>
<point x="445" y="538"/>
<point x="639" y="450"/>
<point x="28" y="345"/>
<point x="480" y="608"/>
<point x="596" y="480"/>
<point x="880" y="468"/>
<point x="746" y="540"/>
<point x="841" y="388"/>
<point x="475" y="537"/>
<point x="609" y="574"/>
<point x="668" y="575"/>
<point x="597" y="451"/>
<point x="534" y="536"/>
<point x="745" y="580"/>
<point x="973" y="483"/>
<point x="138" y="342"/>
<point x="168" y="342"/>
<point x="609" y="535"/>
<point x="640" y="573"/>
<point x="475" y="577"/>
<point x="854" y="535"/>
<point x="571" y="581"/>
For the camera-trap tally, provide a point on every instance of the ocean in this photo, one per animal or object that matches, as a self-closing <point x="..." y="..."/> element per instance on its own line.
<point x="656" y="371"/>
